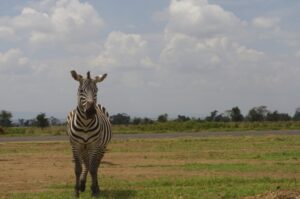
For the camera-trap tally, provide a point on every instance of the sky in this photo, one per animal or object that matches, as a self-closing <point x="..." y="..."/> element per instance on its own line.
<point x="186" y="57"/>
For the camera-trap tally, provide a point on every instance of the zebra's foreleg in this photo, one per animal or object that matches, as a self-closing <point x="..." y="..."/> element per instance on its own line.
<point x="94" y="165"/>
<point x="78" y="170"/>
<point x="84" y="172"/>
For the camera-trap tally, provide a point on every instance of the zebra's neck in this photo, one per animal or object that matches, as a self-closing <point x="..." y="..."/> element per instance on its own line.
<point x="82" y="116"/>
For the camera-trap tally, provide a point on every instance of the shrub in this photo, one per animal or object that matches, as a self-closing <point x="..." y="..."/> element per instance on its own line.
<point x="1" y="130"/>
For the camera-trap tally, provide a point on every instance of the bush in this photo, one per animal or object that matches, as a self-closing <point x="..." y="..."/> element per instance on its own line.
<point x="163" y="118"/>
<point x="42" y="121"/>
<point x="5" y="118"/>
<point x="1" y="130"/>
<point x="136" y="121"/>
<point x="120" y="118"/>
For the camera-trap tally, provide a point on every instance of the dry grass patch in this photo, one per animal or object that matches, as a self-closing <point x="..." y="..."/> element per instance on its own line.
<point x="281" y="194"/>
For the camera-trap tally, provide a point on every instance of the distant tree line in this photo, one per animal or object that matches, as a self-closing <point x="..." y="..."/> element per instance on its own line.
<point x="255" y="114"/>
<point x="39" y="121"/>
<point x="123" y="118"/>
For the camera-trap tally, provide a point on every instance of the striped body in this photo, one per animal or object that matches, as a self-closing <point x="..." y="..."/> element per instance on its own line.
<point x="96" y="131"/>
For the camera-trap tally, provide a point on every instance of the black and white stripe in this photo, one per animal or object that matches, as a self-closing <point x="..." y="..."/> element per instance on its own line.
<point x="85" y="131"/>
<point x="89" y="130"/>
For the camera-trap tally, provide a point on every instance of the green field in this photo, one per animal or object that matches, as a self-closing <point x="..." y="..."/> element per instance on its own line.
<point x="163" y="127"/>
<point x="225" y="167"/>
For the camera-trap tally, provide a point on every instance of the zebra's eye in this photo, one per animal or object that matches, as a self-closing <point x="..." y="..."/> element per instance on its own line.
<point x="80" y="90"/>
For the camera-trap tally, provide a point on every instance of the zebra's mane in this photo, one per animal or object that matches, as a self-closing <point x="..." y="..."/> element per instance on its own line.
<point x="103" y="109"/>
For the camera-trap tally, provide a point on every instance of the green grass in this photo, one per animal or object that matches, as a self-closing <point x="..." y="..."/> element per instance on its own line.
<point x="216" y="187"/>
<point x="243" y="167"/>
<point x="33" y="131"/>
<point x="163" y="127"/>
<point x="196" y="126"/>
<point x="222" y="167"/>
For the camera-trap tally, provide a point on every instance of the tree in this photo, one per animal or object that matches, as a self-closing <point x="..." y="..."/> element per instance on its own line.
<point x="120" y="118"/>
<point x="212" y="116"/>
<point x="223" y="117"/>
<point x="297" y="114"/>
<point x="54" y="121"/>
<point x="21" y="122"/>
<point x="235" y="114"/>
<point x="182" y="118"/>
<point x="147" y="121"/>
<point x="41" y="120"/>
<point x="5" y="118"/>
<point x="137" y="120"/>
<point x="275" y="116"/>
<point x="257" y="113"/>
<point x="163" y="118"/>
<point x="285" y="117"/>
<point x="30" y="122"/>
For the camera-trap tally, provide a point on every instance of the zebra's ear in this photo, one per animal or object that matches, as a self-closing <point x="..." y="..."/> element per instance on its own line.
<point x="76" y="76"/>
<point x="100" y="78"/>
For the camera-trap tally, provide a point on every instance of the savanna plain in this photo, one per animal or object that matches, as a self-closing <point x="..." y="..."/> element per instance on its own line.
<point x="211" y="167"/>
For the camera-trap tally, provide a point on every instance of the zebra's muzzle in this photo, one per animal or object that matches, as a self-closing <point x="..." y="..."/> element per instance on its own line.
<point x="90" y="110"/>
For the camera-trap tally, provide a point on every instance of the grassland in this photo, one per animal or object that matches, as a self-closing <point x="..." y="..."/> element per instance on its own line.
<point x="164" y="127"/>
<point x="223" y="167"/>
<point x="196" y="126"/>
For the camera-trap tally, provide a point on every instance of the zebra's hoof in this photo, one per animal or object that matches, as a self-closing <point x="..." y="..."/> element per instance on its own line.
<point x="76" y="194"/>
<point x="96" y="195"/>
<point x="95" y="192"/>
<point x="82" y="185"/>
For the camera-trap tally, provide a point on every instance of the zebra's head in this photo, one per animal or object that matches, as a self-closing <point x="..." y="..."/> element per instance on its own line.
<point x="87" y="92"/>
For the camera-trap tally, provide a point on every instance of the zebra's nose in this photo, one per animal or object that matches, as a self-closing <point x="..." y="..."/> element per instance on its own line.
<point x="90" y="104"/>
<point x="90" y="109"/>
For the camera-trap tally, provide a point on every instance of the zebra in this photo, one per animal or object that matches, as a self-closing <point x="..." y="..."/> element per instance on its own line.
<point x="89" y="131"/>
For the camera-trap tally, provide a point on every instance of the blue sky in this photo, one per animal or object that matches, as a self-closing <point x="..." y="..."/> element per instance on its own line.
<point x="168" y="56"/>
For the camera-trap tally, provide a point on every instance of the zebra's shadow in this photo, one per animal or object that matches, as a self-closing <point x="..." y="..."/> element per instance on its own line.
<point x="120" y="194"/>
<point x="108" y="163"/>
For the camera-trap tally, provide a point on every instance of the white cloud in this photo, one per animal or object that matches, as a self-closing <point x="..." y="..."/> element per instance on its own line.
<point x="7" y="33"/>
<point x="31" y="19"/>
<point x="62" y="23"/>
<point x="201" y="19"/>
<point x="190" y="54"/>
<point x="124" y="52"/>
<point x="297" y="54"/>
<point x="206" y="57"/>
<point x="75" y="19"/>
<point x="266" y="23"/>
<point x="210" y="63"/>
<point x="14" y="62"/>
<point x="201" y="37"/>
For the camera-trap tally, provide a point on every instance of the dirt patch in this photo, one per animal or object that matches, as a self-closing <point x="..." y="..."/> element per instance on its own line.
<point x="277" y="195"/>
<point x="34" y="172"/>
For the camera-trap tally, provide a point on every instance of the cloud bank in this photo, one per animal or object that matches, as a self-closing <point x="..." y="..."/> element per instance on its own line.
<point x="204" y="58"/>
